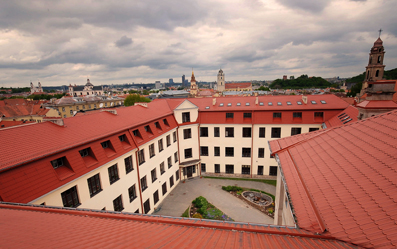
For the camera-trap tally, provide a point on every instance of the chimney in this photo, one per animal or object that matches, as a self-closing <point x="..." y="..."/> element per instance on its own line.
<point x="112" y="111"/>
<point x="304" y="99"/>
<point x="256" y="100"/>
<point x="144" y="104"/>
<point x="213" y="101"/>
<point x="56" y="121"/>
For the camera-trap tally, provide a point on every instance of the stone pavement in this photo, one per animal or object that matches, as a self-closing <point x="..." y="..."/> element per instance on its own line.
<point x="183" y="194"/>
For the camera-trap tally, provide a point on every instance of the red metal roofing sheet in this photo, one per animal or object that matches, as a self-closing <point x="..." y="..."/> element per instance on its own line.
<point x="350" y="172"/>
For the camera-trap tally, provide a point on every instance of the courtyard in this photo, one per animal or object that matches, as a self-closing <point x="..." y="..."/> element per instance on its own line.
<point x="183" y="194"/>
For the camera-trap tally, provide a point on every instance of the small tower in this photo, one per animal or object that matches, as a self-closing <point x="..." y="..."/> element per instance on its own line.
<point x="220" y="82"/>
<point x="193" y="86"/>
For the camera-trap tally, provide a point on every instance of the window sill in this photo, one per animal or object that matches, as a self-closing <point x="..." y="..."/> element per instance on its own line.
<point x="143" y="189"/>
<point x="114" y="181"/>
<point x="99" y="191"/>
<point x="162" y="172"/>
<point x="141" y="163"/>
<point x="132" y="199"/>
<point x="154" y="180"/>
<point x="126" y="172"/>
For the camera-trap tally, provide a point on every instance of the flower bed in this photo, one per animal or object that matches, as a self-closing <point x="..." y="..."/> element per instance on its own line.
<point x="237" y="192"/>
<point x="202" y="209"/>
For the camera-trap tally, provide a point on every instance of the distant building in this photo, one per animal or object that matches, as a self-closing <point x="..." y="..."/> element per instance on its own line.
<point x="193" y="86"/>
<point x="171" y="81"/>
<point x="88" y="89"/>
<point x="292" y="77"/>
<point x="158" y="85"/>
<point x="244" y="86"/>
<point x="34" y="89"/>
<point x="183" y="80"/>
<point x="285" y="77"/>
<point x="220" y="81"/>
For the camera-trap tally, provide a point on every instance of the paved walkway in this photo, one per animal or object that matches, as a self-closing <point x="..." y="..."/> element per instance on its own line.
<point x="181" y="197"/>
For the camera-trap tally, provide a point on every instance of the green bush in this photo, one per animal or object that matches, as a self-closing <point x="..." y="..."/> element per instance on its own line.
<point x="201" y="203"/>
<point x="232" y="188"/>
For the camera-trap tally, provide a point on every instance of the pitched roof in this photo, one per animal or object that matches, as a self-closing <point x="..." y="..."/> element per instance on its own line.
<point x="377" y="104"/>
<point x="76" y="131"/>
<point x="21" y="107"/>
<point x="6" y="124"/>
<point x="25" y="226"/>
<point x="350" y="174"/>
<point x="350" y="114"/>
<point x="238" y="85"/>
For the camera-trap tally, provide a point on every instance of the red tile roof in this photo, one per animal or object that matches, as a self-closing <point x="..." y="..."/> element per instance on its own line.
<point x="6" y="124"/>
<point x="37" y="227"/>
<point x="350" y="114"/>
<point x="349" y="100"/>
<point x="238" y="85"/>
<point x="377" y="104"/>
<point x="76" y="131"/>
<point x="21" y="107"/>
<point x="350" y="174"/>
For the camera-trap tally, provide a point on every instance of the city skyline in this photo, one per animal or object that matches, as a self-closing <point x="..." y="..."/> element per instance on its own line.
<point x="65" y="43"/>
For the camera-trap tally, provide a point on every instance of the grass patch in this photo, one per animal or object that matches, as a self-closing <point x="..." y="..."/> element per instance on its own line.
<point x="186" y="213"/>
<point x="271" y="182"/>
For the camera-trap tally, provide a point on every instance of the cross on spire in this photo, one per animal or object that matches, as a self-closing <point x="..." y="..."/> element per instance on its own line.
<point x="380" y="31"/>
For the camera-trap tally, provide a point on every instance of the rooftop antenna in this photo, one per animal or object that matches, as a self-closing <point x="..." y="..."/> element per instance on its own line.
<point x="380" y="31"/>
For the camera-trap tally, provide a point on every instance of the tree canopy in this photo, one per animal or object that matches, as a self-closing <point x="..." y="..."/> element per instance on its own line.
<point x="301" y="82"/>
<point x="133" y="98"/>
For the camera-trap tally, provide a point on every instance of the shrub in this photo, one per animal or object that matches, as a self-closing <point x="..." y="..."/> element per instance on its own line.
<point x="270" y="210"/>
<point x="232" y="188"/>
<point x="201" y="203"/>
<point x="197" y="216"/>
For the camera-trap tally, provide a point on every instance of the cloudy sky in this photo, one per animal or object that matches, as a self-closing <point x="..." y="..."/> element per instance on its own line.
<point x="63" y="42"/>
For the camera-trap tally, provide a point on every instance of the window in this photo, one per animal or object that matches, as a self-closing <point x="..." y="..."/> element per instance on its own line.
<point x="203" y="167"/>
<point x="156" y="197"/>
<point x="148" y="130"/>
<point x="105" y="144"/>
<point x="141" y="156"/>
<point x="217" y="168"/>
<point x="161" y="145"/>
<point x="174" y="136"/>
<point x="188" y="153"/>
<point x="143" y="183"/>
<point x="132" y="192"/>
<point x="84" y="152"/>
<point x="276" y="132"/>
<point x="63" y="109"/>
<point x="137" y="133"/>
<point x="165" y="122"/>
<point x="247" y="132"/>
<point x="94" y="185"/>
<point x="262" y="131"/>
<point x="217" y="151"/>
<point x="146" y="206"/>
<point x="204" y="150"/>
<point x="176" y="157"/>
<point x="71" y="112"/>
<point x="118" y="204"/>
<point x="162" y="170"/>
<point x="261" y="152"/>
<point x="137" y="211"/>
<point x="123" y="138"/>
<point x="203" y="131"/>
<point x="245" y="169"/>
<point x="229" y="169"/>
<point x="113" y="174"/>
<point x="164" y="187"/>
<point x="276" y="114"/>
<point x="216" y="131"/>
<point x="185" y="117"/>
<point x="314" y="102"/>
<point x="154" y="175"/>
<point x="177" y="175"/>
<point x="297" y="115"/>
<point x="128" y="164"/>
<point x="313" y="129"/>
<point x="295" y="131"/>
<point x="247" y="115"/>
<point x="260" y="170"/>
<point x="151" y="150"/>
<point x="229" y="115"/>
<point x="168" y="139"/>
<point x="171" y="181"/>
<point x="229" y="151"/>
<point x="273" y="170"/>
<point x="187" y="133"/>
<point x="246" y="152"/>
<point x="58" y="162"/>
<point x="77" y="107"/>
<point x="83" y="106"/>
<point x="157" y="125"/>
<point x="318" y="114"/>
<point x="169" y="160"/>
<point x="323" y="102"/>
<point x="70" y="198"/>
<point x="229" y="132"/>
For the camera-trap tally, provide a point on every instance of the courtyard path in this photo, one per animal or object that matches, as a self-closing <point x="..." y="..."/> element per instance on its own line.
<point x="181" y="197"/>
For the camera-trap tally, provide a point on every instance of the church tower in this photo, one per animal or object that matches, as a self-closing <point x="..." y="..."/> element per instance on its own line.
<point x="220" y="82"/>
<point x="193" y="86"/>
<point x="375" y="68"/>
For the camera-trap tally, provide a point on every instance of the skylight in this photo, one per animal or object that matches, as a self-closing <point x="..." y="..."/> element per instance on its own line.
<point x="289" y="103"/>
<point x="260" y="103"/>
<point x="314" y="102"/>
<point x="207" y="107"/>
<point x="221" y="104"/>
<point x="278" y="103"/>
<point x="270" y="103"/>
<point x="323" y="102"/>
<point x="247" y="103"/>
<point x="229" y="104"/>
<point x="238" y="104"/>
<point x="299" y="103"/>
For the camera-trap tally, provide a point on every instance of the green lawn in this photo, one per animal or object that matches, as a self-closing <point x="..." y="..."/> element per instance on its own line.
<point x="271" y="182"/>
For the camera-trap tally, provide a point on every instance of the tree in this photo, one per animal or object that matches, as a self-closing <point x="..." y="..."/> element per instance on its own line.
<point x="133" y="98"/>
<point x="355" y="89"/>
<point x="262" y="88"/>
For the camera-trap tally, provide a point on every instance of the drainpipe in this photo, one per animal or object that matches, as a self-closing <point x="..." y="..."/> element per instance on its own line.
<point x="252" y="142"/>
<point x="137" y="169"/>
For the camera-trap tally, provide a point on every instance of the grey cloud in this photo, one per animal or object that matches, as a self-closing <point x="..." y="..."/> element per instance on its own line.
<point x="123" y="41"/>
<point x="306" y="5"/>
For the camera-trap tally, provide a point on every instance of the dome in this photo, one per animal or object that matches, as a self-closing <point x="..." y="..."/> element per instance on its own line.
<point x="89" y="83"/>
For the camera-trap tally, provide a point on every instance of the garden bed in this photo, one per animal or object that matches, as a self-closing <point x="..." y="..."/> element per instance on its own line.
<point x="202" y="209"/>
<point x="237" y="192"/>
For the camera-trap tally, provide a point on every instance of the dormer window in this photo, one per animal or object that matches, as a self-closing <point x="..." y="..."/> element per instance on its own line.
<point x="157" y="124"/>
<point x="105" y="144"/>
<point x="165" y="122"/>
<point x="84" y="152"/>
<point x="147" y="129"/>
<point x="58" y="162"/>
<point x="185" y="117"/>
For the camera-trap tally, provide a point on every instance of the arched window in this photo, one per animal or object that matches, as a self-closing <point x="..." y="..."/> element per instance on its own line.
<point x="377" y="73"/>
<point x="379" y="59"/>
